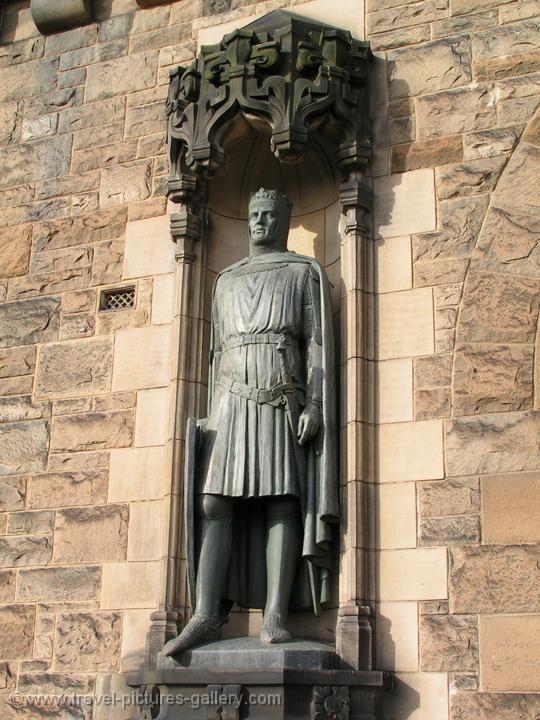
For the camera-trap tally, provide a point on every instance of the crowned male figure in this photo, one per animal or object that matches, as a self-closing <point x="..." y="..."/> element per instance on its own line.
<point x="262" y="498"/>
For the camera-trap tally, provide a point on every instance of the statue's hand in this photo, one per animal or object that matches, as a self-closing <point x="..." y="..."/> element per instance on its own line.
<point x="308" y="424"/>
<point x="202" y="423"/>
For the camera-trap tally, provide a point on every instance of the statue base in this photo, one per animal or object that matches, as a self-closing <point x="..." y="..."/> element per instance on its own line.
<point x="244" y="678"/>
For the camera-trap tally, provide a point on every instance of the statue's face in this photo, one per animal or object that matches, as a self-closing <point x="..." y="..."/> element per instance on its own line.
<point x="266" y="221"/>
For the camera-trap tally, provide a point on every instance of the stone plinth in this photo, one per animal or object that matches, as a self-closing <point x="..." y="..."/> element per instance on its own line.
<point x="247" y="678"/>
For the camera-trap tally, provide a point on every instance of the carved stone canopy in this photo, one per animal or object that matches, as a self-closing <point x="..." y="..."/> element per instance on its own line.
<point x="283" y="71"/>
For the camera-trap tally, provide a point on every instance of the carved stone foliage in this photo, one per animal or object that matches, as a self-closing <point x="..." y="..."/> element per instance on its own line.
<point x="285" y="72"/>
<point x="330" y="703"/>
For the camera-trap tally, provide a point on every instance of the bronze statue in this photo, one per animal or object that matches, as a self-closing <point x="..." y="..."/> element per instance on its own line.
<point x="261" y="470"/>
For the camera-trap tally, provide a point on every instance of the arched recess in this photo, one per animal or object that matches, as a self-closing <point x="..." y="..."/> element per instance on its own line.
<point x="280" y="103"/>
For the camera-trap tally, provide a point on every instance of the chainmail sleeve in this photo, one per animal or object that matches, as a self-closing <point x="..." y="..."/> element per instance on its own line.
<point x="312" y="337"/>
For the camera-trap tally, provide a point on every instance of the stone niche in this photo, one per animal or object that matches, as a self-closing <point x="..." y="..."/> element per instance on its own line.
<point x="279" y="103"/>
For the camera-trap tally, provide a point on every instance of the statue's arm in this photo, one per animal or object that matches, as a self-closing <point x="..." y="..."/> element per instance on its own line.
<point x="310" y="418"/>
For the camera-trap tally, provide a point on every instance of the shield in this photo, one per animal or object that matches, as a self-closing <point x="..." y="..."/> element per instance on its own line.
<point x="190" y="464"/>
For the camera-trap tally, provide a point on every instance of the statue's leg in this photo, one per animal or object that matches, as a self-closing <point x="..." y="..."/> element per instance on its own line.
<point x="215" y="513"/>
<point x="283" y="546"/>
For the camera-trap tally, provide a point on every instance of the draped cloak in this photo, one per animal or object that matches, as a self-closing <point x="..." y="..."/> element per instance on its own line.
<point x="249" y="449"/>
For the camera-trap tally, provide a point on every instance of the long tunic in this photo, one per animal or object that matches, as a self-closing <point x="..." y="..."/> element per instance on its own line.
<point x="263" y="324"/>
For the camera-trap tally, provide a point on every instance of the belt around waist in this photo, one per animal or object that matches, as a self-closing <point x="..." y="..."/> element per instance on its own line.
<point x="258" y="339"/>
<point x="270" y="396"/>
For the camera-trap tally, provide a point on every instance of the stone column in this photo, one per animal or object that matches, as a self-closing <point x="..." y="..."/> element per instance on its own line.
<point x="187" y="380"/>
<point x="353" y="632"/>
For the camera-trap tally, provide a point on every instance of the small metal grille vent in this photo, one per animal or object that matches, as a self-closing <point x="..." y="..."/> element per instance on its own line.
<point x="117" y="299"/>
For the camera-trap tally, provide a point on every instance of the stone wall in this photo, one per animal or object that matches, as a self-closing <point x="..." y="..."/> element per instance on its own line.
<point x="86" y="398"/>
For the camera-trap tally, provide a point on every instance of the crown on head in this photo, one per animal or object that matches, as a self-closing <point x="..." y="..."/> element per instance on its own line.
<point x="270" y="196"/>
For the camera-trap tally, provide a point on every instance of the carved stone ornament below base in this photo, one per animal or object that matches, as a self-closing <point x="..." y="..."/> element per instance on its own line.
<point x="330" y="703"/>
<point x="52" y="16"/>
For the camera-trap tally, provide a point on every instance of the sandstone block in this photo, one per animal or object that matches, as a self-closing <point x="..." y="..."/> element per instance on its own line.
<point x="129" y="585"/>
<point x="97" y="633"/>
<point x="23" y="447"/>
<point x="125" y="183"/>
<point x="399" y="38"/>
<point x="434" y="371"/>
<point x="393" y="264"/>
<point x="427" y="153"/>
<point x="429" y="67"/>
<point x="487" y="706"/>
<point x="7" y="585"/>
<point x="455" y="111"/>
<point x="511" y="508"/>
<point x="493" y="444"/>
<point x="509" y="657"/>
<point x="403" y="702"/>
<point x="108" y="262"/>
<point x="405" y="324"/>
<point x="137" y="474"/>
<point x="78" y="325"/>
<point x="397" y="515"/>
<point x="395" y="390"/>
<point x="509" y="243"/>
<point x="448" y="643"/>
<point x="145" y="520"/>
<point x="397" y="636"/>
<point x="453" y="496"/>
<point x="30" y="523"/>
<point x="97" y="534"/>
<point x="397" y="17"/>
<point x="492" y="379"/>
<point x="21" y="407"/>
<point x="404" y="204"/>
<point x="59" y="584"/>
<point x="432" y="403"/>
<point x="39" y="127"/>
<point x="78" y="461"/>
<point x="47" y="283"/>
<point x="121" y="75"/>
<point x="152" y="422"/>
<point x="39" y="76"/>
<point x="410" y="451"/>
<point x="449" y="530"/>
<point x="47" y="683"/>
<point x="494" y="579"/>
<point x="489" y="143"/>
<point x="29" y="322"/>
<point x="17" y="361"/>
<point x="465" y="23"/>
<point x="110" y="322"/>
<point x="476" y="176"/>
<point x="131" y="370"/>
<point x="98" y="157"/>
<point x="15" y="251"/>
<point x="115" y="401"/>
<point x="148" y="249"/>
<point x="507" y="40"/>
<point x="104" y="225"/>
<point x="35" y="161"/>
<point x="145" y="120"/>
<point x="21" y="551"/>
<point x="92" y="431"/>
<point x="10" y="122"/>
<point x="72" y="406"/>
<point x="19" y="51"/>
<point x="416" y="574"/>
<point x="12" y="493"/>
<point x="521" y="173"/>
<point x="93" y="115"/>
<point x="460" y="221"/>
<point x="73" y="487"/>
<point x="17" y="385"/>
<point x="75" y="368"/>
<point x="506" y="66"/>
<point x="499" y="308"/>
<point x="16" y="631"/>
<point x="79" y="301"/>
<point x="61" y="259"/>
